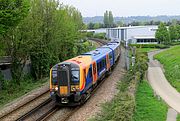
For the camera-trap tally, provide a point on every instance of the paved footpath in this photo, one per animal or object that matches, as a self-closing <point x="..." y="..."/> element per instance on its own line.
<point x="162" y="87"/>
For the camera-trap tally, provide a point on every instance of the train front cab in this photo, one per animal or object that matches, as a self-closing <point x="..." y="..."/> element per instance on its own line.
<point x="71" y="80"/>
<point x="64" y="83"/>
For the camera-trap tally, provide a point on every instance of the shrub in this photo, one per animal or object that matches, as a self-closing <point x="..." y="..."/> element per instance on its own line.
<point x="100" y="35"/>
<point x="160" y="46"/>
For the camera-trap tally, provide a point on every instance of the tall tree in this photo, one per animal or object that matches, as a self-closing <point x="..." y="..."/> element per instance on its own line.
<point x="173" y="32"/>
<point x="106" y="19"/>
<point x="111" y="19"/>
<point x="162" y="34"/>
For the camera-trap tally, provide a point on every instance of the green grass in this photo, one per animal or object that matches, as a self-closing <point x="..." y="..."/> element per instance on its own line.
<point x="14" y="92"/>
<point x="148" y="108"/>
<point x="178" y="117"/>
<point x="171" y="61"/>
<point x="146" y="49"/>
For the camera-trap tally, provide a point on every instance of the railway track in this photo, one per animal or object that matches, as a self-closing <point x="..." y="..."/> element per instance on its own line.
<point x="67" y="117"/>
<point x="100" y="41"/>
<point x="41" y="112"/>
<point x="44" y="110"/>
<point x="21" y="109"/>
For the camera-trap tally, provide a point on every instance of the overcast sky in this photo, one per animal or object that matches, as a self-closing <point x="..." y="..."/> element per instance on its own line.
<point x="90" y="8"/>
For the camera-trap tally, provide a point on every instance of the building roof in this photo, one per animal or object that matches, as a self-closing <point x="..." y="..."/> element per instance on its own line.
<point x="144" y="37"/>
<point x="134" y="27"/>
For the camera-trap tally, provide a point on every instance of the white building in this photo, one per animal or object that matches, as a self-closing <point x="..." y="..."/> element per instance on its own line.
<point x="133" y="34"/>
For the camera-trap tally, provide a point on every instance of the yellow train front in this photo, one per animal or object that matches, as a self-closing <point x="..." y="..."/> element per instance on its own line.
<point x="72" y="81"/>
<point x="68" y="80"/>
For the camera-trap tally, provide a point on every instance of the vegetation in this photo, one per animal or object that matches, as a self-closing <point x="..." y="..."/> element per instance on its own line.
<point x="11" y="13"/>
<point x="12" y="91"/>
<point x="108" y="19"/>
<point x="162" y="34"/>
<point x="122" y="107"/>
<point x="148" y="108"/>
<point x="47" y="35"/>
<point x="171" y="61"/>
<point x="178" y="117"/>
<point x="159" y="46"/>
<point x="95" y="25"/>
<point x="100" y="35"/>
<point x="42" y="32"/>
<point x="145" y="50"/>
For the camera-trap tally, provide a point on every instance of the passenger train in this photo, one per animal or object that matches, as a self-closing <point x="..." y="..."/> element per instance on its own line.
<point x="72" y="81"/>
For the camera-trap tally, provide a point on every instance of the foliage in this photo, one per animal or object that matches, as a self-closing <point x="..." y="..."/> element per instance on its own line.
<point x="89" y="34"/>
<point x="108" y="19"/>
<point x="14" y="91"/>
<point x="171" y="61"/>
<point x="178" y="117"/>
<point x="100" y="35"/>
<point x="173" y="32"/>
<point x="148" y="108"/>
<point x="111" y="19"/>
<point x="162" y="34"/>
<point x="49" y="34"/>
<point x="95" y="25"/>
<point x="145" y="50"/>
<point x="122" y="107"/>
<point x="11" y="13"/>
<point x="160" y="46"/>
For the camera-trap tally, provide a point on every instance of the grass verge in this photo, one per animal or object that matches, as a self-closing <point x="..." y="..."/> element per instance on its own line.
<point x="148" y="108"/>
<point x="178" y="117"/>
<point x="171" y="62"/>
<point x="16" y="91"/>
<point x="121" y="108"/>
<point x="146" y="49"/>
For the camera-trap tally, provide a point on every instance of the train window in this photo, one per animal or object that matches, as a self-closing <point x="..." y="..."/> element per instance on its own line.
<point x="94" y="68"/>
<point x="110" y="56"/>
<point x="90" y="72"/>
<point x="54" y="77"/>
<point x="75" y="75"/>
<point x="104" y="62"/>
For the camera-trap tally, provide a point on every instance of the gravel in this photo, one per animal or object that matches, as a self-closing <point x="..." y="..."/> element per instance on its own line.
<point x="105" y="93"/>
<point x="23" y="100"/>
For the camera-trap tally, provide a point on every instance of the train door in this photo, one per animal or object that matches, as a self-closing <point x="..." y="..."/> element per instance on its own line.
<point x="94" y="69"/>
<point x="89" y="79"/>
<point x="108" y="62"/>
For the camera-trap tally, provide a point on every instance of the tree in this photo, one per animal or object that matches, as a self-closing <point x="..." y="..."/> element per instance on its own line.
<point x="11" y="13"/>
<point x="162" y="34"/>
<point x="111" y="19"/>
<point x="91" y="25"/>
<point x="178" y="31"/>
<point x="106" y="19"/>
<point x="49" y="34"/>
<point x="173" y="32"/>
<point x="96" y="26"/>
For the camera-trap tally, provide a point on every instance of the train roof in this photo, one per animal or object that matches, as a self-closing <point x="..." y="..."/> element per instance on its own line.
<point x="112" y="45"/>
<point x="98" y="53"/>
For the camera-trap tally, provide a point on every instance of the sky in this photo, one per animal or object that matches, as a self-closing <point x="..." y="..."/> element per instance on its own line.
<point x="90" y="8"/>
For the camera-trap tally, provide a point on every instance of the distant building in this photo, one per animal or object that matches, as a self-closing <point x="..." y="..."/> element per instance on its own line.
<point x="133" y="34"/>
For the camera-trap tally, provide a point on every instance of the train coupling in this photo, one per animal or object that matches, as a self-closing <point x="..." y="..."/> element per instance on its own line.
<point x="64" y="100"/>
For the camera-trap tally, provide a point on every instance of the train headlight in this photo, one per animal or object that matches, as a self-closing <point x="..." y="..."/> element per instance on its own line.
<point x="56" y="88"/>
<point x="77" y="88"/>
<point x="73" y="89"/>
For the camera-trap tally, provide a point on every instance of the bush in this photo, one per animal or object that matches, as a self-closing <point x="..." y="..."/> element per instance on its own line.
<point x="175" y="43"/>
<point x="122" y="107"/>
<point x="89" y="34"/>
<point x="100" y="35"/>
<point x="160" y="46"/>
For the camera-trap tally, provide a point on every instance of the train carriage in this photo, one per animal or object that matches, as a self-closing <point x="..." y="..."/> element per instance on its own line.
<point x="72" y="81"/>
